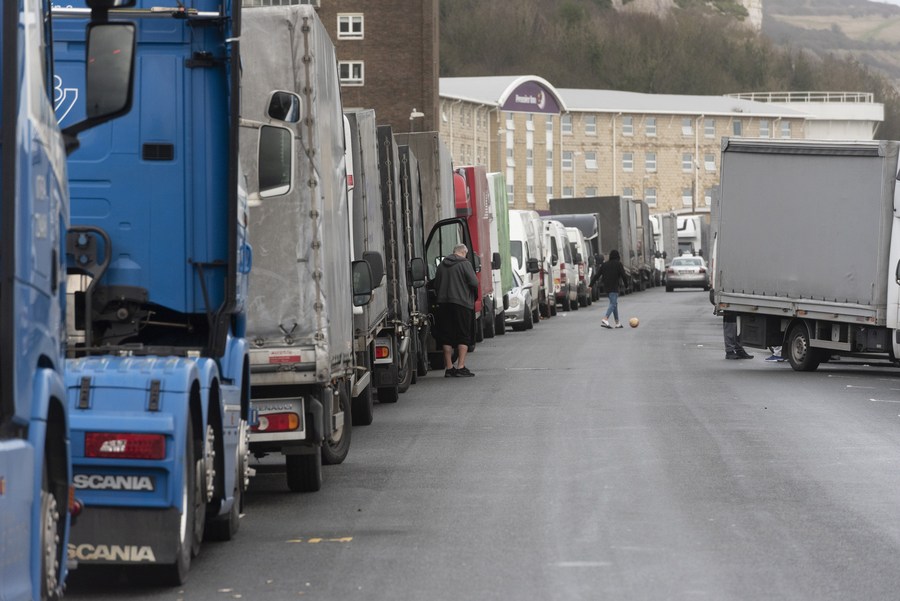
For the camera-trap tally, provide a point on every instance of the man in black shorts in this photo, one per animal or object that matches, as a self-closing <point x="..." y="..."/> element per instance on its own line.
<point x="456" y="286"/>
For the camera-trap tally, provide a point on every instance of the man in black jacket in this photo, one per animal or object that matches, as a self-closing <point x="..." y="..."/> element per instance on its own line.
<point x="456" y="286"/>
<point x="611" y="273"/>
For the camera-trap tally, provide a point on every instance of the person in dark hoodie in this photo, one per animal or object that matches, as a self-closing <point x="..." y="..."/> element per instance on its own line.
<point x="456" y="286"/>
<point x="611" y="273"/>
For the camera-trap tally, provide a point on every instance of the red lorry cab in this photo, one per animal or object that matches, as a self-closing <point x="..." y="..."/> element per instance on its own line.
<point x="470" y="185"/>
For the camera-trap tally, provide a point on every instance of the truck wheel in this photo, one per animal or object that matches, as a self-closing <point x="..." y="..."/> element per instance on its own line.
<point x="421" y="357"/>
<point x="566" y="305"/>
<point x="799" y="353"/>
<point x="175" y="574"/>
<point x="50" y="538"/>
<point x="529" y="320"/>
<point x="304" y="472"/>
<point x="204" y="484"/>
<point x="545" y="310"/>
<point x="535" y="316"/>
<point x="487" y="320"/>
<point x="406" y="369"/>
<point x="500" y="324"/>
<point x="337" y="446"/>
<point x="223" y="528"/>
<point x="479" y="328"/>
<point x="552" y="310"/>
<point x="668" y="288"/>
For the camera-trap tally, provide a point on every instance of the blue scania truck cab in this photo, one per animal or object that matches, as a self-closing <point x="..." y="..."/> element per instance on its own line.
<point x="36" y="496"/>
<point x="157" y="370"/>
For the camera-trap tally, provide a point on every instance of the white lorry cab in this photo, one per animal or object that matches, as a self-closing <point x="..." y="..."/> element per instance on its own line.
<point x="561" y="266"/>
<point x="525" y="255"/>
<point x="581" y="259"/>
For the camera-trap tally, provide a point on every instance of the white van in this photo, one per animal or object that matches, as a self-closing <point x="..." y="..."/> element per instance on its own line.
<point x="561" y="267"/>
<point x="543" y="291"/>
<point x="525" y="255"/>
<point x="581" y="258"/>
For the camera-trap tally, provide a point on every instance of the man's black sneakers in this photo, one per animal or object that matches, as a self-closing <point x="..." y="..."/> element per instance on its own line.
<point x="463" y="372"/>
<point x="451" y="373"/>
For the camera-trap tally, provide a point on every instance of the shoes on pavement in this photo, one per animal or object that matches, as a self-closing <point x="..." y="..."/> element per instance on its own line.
<point x="451" y="373"/>
<point x="744" y="355"/>
<point x="732" y="355"/>
<point x="618" y="325"/>
<point x="775" y="359"/>
<point x="605" y="324"/>
<point x="463" y="372"/>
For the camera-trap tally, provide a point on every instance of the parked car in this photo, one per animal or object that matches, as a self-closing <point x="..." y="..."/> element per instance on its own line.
<point x="520" y="314"/>
<point x="687" y="271"/>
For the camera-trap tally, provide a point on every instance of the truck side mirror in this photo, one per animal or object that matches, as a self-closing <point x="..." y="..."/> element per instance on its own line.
<point x="664" y="255"/>
<point x="362" y="283"/>
<point x="284" y="106"/>
<point x="417" y="272"/>
<point x="477" y="263"/>
<point x="376" y="264"/>
<point x="496" y="261"/>
<point x="579" y="258"/>
<point x="533" y="266"/>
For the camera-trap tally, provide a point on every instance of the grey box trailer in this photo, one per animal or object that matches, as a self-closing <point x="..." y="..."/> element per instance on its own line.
<point x="589" y="224"/>
<point x="367" y="239"/>
<point x="644" y="243"/>
<point x="299" y="313"/>
<point x="806" y="250"/>
<point x="615" y="225"/>
<point x="435" y="174"/>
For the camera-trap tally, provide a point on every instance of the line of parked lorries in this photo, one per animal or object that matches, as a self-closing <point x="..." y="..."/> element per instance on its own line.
<point x="228" y="264"/>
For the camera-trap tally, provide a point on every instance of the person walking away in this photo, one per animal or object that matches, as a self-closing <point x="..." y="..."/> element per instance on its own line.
<point x="611" y="273"/>
<point x="456" y="287"/>
<point x="733" y="348"/>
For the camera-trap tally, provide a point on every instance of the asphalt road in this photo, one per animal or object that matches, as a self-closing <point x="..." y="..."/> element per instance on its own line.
<point x="584" y="463"/>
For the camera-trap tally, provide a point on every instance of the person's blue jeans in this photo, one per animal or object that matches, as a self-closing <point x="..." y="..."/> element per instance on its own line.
<point x="613" y="308"/>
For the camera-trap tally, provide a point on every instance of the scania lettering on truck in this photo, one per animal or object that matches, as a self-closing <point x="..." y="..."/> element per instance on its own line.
<point x="36" y="496"/>
<point x="300" y="310"/>
<point x="840" y="292"/>
<point x="157" y="375"/>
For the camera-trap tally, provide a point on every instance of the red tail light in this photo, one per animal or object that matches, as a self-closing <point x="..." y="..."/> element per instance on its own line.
<point x="669" y="270"/>
<point x="277" y="422"/>
<point x="703" y="270"/>
<point x="119" y="445"/>
<point x="382" y="352"/>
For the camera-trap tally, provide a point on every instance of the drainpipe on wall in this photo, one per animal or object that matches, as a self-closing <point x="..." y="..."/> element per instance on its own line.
<point x="614" y="155"/>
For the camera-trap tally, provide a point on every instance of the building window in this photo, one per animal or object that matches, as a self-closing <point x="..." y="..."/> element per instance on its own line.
<point x="763" y="128"/>
<point x="650" y="196"/>
<point x="628" y="193"/>
<point x="509" y="193"/>
<point x="627" y="126"/>
<point x="549" y="158"/>
<point x="687" y="197"/>
<point x="650" y="126"/>
<point x="549" y="191"/>
<point x="590" y="191"/>
<point x="709" y="162"/>
<point x="627" y="161"/>
<point x="510" y="159"/>
<point x="650" y="162"/>
<point x="785" y="129"/>
<point x="566" y="121"/>
<point x="737" y="127"/>
<point x="350" y="27"/>
<point x="590" y="125"/>
<point x="549" y="124"/>
<point x="510" y="122"/>
<point x="707" y="196"/>
<point x="709" y="128"/>
<point x="567" y="159"/>
<point x="352" y="73"/>
<point x="529" y="158"/>
<point x="529" y="121"/>
<point x="687" y="162"/>
<point x="590" y="160"/>
<point x="567" y="192"/>
<point x="687" y="126"/>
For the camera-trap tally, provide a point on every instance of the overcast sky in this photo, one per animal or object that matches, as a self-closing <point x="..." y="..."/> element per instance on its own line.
<point x="897" y="2"/>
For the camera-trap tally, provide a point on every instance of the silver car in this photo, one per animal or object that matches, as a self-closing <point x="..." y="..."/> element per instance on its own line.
<point x="687" y="271"/>
<point x="519" y="315"/>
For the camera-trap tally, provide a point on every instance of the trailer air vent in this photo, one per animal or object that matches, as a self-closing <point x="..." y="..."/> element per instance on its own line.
<point x="158" y="152"/>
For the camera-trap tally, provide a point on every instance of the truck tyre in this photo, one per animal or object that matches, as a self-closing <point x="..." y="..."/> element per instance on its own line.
<point x="176" y="573"/>
<point x="552" y="310"/>
<point x="421" y="356"/>
<point x="479" y="327"/>
<point x="204" y="459"/>
<point x="545" y="310"/>
<point x="799" y="353"/>
<point x="51" y="538"/>
<point x="529" y="320"/>
<point x="223" y="528"/>
<point x="566" y="305"/>
<point x="388" y="394"/>
<point x="304" y="472"/>
<point x="337" y="445"/>
<point x="487" y="320"/>
<point x="406" y="369"/>
<point x="363" y="409"/>
<point x="500" y="323"/>
<point x="668" y="288"/>
<point x="535" y="316"/>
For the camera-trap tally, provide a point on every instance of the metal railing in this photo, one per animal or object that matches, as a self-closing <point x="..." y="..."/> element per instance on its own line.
<point x="838" y="97"/>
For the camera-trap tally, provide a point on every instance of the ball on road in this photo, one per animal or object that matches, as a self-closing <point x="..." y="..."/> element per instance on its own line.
<point x="634" y="322"/>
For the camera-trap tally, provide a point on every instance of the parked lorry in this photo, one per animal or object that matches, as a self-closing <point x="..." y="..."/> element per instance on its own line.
<point x="579" y="258"/>
<point x="818" y="282"/>
<point x="562" y="266"/>
<point x="693" y="233"/>
<point x="615" y="227"/>
<point x="665" y="236"/>
<point x="499" y="231"/>
<point x="367" y="243"/>
<point x="644" y="244"/>
<point x="36" y="494"/>
<point x="158" y="375"/>
<point x="300" y="310"/>
<point x="589" y="226"/>
<point x="471" y="188"/>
